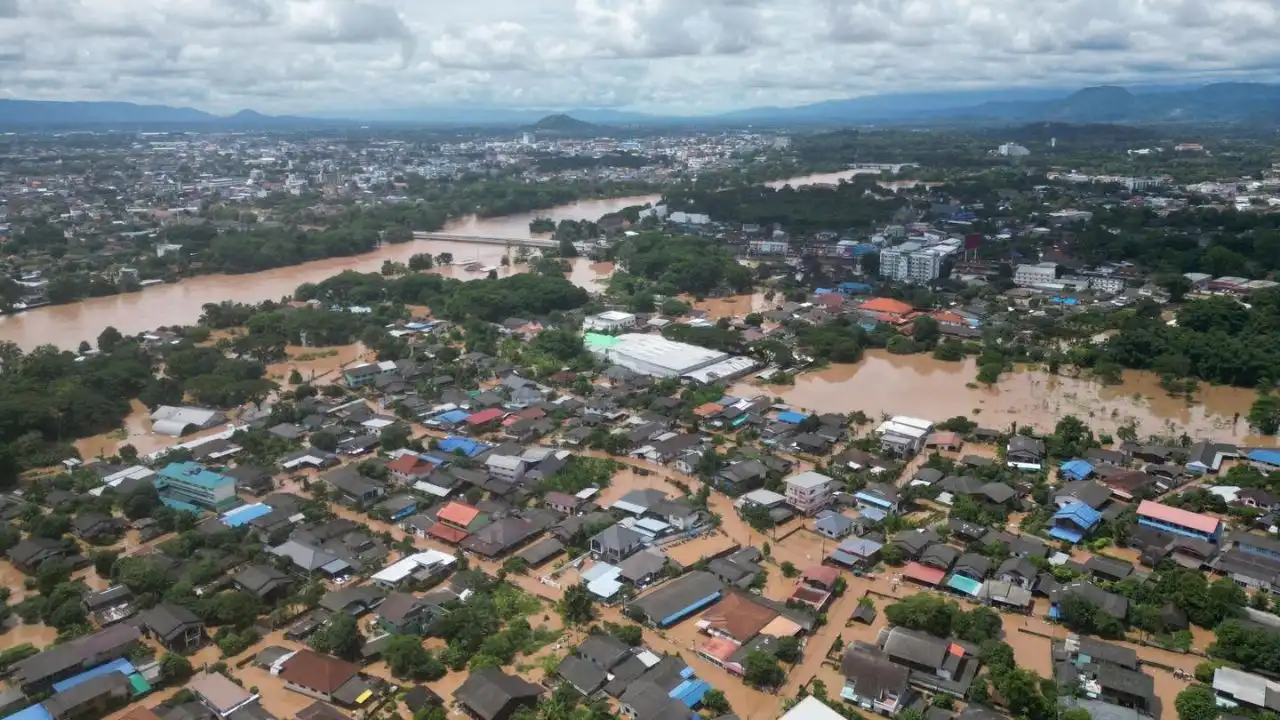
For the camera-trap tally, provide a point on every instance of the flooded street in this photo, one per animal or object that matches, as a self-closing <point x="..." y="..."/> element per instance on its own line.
<point x="921" y="386"/>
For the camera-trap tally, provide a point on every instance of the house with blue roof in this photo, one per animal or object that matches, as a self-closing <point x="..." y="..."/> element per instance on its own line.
<point x="451" y="419"/>
<point x="1074" y="521"/>
<point x="1076" y="470"/>
<point x="878" y="496"/>
<point x="466" y="446"/>
<point x="855" y="288"/>
<point x="792" y="417"/>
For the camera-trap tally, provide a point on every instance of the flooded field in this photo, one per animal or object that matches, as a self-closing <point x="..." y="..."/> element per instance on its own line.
<point x="921" y="386"/>
<point x="732" y="305"/>
<point x="317" y="362"/>
<point x="136" y="432"/>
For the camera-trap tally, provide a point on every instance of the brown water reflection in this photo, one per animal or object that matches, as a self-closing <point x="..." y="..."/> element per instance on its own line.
<point x="919" y="385"/>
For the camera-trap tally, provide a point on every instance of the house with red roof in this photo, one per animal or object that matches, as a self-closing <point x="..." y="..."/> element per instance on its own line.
<point x="410" y="468"/>
<point x="886" y="306"/>
<point x="483" y="420"/>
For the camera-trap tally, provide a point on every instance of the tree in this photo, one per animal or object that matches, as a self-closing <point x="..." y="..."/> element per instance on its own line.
<point x="340" y="637"/>
<point x="761" y="669"/>
<point x="989" y="373"/>
<point x="632" y="635"/>
<point x="1264" y="414"/>
<point x="394" y="437"/>
<point x="324" y="440"/>
<point x="1197" y="702"/>
<point x="788" y="649"/>
<point x="575" y="607"/>
<point x="409" y="660"/>
<point x="789" y="569"/>
<point x="716" y="702"/>
<point x="892" y="555"/>
<point x="1075" y="714"/>
<point x="174" y="669"/>
<point x="103" y="561"/>
<point x="108" y="339"/>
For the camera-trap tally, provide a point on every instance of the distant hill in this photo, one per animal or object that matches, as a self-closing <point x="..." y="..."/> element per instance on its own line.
<point x="54" y="114"/>
<point x="1222" y="102"/>
<point x="563" y="124"/>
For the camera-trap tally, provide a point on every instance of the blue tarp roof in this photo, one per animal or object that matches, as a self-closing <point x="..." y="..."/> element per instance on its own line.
<point x="245" y="514"/>
<point x="1077" y="512"/>
<point x="963" y="584"/>
<point x="1067" y="534"/>
<point x="453" y="416"/>
<point x="791" y="417"/>
<point x="470" y="448"/>
<point x="122" y="666"/>
<point x="1076" y="469"/>
<point x="692" y="608"/>
<point x="690" y="692"/>
<point x="825" y="291"/>
<point x="1270" y="457"/>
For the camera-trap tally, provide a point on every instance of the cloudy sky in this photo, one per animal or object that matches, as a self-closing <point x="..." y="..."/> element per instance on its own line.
<point x="683" y="56"/>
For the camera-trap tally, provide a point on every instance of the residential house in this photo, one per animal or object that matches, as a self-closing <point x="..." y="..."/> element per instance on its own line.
<point x="109" y="606"/>
<point x="352" y="487"/>
<point x="1019" y="571"/>
<point x="742" y="476"/>
<point x="410" y="468"/>
<point x="252" y="478"/>
<point x="615" y="543"/>
<point x="264" y="581"/>
<point x="809" y="491"/>
<point x="96" y="697"/>
<point x="506" y="468"/>
<point x="856" y="553"/>
<point x="1238" y="689"/>
<point x="405" y="614"/>
<point x="455" y="521"/>
<point x="678" y="599"/>
<point x="323" y="677"/>
<point x="903" y="436"/>
<point x="563" y="502"/>
<point x="739" y="569"/>
<point x="935" y="664"/>
<point x="880" y="497"/>
<point x="96" y="527"/>
<point x="39" y="672"/>
<point x="834" y="525"/>
<point x="1024" y="453"/>
<point x="1206" y="457"/>
<point x="1090" y="493"/>
<point x="28" y="555"/>
<point x="874" y="682"/>
<point x="643" y="568"/>
<point x="354" y="600"/>
<point x="491" y="694"/>
<point x="1117" y="606"/>
<point x="1073" y="521"/>
<point x="174" y="627"/>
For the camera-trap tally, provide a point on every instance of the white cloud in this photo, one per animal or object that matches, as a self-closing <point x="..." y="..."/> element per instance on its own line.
<point x="683" y="56"/>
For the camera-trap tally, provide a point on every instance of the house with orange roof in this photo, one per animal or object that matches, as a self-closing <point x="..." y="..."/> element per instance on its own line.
<point x="886" y="306"/>
<point x="706" y="410"/>
<point x="462" y="516"/>
<point x="410" y="468"/>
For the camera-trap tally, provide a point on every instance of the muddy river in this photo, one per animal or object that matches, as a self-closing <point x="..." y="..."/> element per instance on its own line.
<point x="180" y="303"/>
<point x="921" y="386"/>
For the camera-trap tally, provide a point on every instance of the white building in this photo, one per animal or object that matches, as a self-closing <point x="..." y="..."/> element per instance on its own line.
<point x="809" y="491"/>
<point x="169" y="420"/>
<point x="508" y="468"/>
<point x="912" y="262"/>
<point x="609" y="321"/>
<point x="684" y="218"/>
<point x="1012" y="150"/>
<point x="904" y="435"/>
<point x="1038" y="274"/>
<point x="1106" y="284"/>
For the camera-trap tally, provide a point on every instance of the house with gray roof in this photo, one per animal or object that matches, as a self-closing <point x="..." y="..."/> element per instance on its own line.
<point x="173" y="626"/>
<point x="265" y="581"/>
<point x="491" y="694"/>
<point x="643" y="568"/>
<point x="616" y="543"/>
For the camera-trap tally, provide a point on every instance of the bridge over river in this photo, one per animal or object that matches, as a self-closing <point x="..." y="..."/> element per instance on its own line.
<point x="483" y="240"/>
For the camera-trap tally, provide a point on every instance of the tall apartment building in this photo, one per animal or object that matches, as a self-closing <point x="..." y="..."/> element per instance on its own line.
<point x="911" y="262"/>
<point x="194" y="484"/>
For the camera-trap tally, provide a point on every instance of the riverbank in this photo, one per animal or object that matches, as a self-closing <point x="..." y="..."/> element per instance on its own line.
<point x="920" y="385"/>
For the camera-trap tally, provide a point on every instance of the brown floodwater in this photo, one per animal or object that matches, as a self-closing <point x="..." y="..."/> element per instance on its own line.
<point x="181" y="303"/>
<point x="136" y="432"/>
<point x="920" y="386"/>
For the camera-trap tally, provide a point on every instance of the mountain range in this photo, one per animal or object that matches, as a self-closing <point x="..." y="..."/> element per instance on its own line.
<point x="1253" y="103"/>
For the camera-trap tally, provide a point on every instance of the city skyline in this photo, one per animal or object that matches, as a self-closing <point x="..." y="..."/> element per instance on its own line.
<point x="660" y="56"/>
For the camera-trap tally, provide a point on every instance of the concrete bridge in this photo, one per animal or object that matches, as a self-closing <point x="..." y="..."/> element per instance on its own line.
<point x="481" y="240"/>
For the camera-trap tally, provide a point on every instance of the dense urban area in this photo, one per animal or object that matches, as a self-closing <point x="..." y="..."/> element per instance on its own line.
<point x="575" y="423"/>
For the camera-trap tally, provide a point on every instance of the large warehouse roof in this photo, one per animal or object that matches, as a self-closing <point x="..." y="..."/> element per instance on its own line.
<point x="652" y="354"/>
